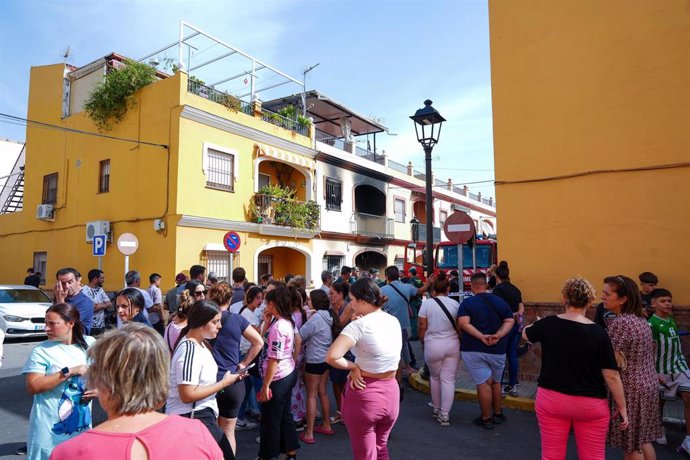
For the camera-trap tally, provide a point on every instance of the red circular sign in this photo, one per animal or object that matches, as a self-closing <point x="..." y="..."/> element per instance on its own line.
<point x="459" y="227"/>
<point x="232" y="241"/>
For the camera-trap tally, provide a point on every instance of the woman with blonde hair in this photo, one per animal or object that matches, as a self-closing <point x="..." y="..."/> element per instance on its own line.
<point x="120" y="361"/>
<point x="578" y="365"/>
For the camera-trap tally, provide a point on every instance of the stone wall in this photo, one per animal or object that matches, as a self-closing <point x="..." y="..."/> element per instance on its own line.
<point x="530" y="363"/>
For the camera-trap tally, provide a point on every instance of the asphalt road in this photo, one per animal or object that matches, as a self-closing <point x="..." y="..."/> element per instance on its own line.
<point x="416" y="434"/>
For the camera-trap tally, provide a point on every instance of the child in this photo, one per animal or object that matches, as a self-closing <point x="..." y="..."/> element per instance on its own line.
<point x="671" y="367"/>
<point x="648" y="282"/>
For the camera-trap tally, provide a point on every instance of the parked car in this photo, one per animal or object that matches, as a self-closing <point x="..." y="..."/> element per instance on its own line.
<point x="23" y="310"/>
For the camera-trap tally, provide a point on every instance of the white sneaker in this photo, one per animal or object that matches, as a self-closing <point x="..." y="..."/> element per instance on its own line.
<point x="242" y="425"/>
<point x="685" y="446"/>
<point x="662" y="441"/>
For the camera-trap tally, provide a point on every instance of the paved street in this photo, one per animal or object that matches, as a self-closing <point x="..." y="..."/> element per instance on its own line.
<point x="416" y="434"/>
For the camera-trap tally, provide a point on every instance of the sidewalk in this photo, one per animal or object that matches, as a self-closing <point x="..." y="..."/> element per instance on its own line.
<point x="465" y="390"/>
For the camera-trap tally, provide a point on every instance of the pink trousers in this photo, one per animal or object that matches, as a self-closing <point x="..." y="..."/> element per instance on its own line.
<point x="369" y="416"/>
<point x="443" y="358"/>
<point x="557" y="413"/>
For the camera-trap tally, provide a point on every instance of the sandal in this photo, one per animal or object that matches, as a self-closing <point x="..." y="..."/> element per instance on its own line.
<point x="337" y="418"/>
<point x="321" y="430"/>
<point x="305" y="440"/>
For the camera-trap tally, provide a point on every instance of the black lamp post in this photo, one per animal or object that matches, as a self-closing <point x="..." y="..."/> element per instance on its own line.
<point x="425" y="121"/>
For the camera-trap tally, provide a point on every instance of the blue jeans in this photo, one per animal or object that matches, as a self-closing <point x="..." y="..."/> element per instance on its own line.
<point x="512" y="363"/>
<point x="252" y="385"/>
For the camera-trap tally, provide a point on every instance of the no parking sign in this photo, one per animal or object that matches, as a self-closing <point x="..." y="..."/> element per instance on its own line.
<point x="232" y="241"/>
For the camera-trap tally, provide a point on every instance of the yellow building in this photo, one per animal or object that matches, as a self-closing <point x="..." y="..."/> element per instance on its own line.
<point x="591" y="108"/>
<point x="178" y="171"/>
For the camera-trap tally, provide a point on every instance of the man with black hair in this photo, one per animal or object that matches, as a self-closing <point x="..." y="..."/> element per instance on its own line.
<point x="345" y="275"/>
<point x="485" y="321"/>
<point x="239" y="276"/>
<point x="156" y="314"/>
<point x="68" y="290"/>
<point x="32" y="279"/>
<point x="197" y="272"/>
<point x="94" y="291"/>
<point x="648" y="282"/>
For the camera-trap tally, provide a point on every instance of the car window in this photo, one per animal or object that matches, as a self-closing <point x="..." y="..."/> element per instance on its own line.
<point x="22" y="296"/>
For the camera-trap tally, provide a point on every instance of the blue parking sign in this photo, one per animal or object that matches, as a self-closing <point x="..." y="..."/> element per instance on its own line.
<point x="99" y="245"/>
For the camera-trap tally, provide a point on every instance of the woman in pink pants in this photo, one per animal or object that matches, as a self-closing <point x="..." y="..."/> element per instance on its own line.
<point x="437" y="333"/>
<point x="577" y="365"/>
<point x="370" y="403"/>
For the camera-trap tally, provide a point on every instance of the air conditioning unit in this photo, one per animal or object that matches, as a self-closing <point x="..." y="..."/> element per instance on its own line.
<point x="97" y="227"/>
<point x="45" y="212"/>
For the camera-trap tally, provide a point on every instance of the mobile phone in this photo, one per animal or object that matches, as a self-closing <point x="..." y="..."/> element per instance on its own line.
<point x="64" y="370"/>
<point x="245" y="370"/>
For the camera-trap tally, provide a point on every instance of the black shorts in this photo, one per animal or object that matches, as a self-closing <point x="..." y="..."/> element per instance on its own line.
<point x="230" y="399"/>
<point x="316" y="368"/>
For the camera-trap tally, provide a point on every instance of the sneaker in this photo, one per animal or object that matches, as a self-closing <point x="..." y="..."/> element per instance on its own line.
<point x="514" y="390"/>
<point x="423" y="374"/>
<point x="22" y="450"/>
<point x="505" y="390"/>
<point x="486" y="424"/>
<point x="300" y="426"/>
<point x="497" y="419"/>
<point x="443" y="420"/>
<point x="662" y="441"/>
<point x="243" y="425"/>
<point x="685" y="446"/>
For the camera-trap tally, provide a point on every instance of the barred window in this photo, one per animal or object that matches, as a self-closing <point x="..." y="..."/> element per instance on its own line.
<point x="265" y="266"/>
<point x="104" y="177"/>
<point x="333" y="194"/>
<point x="219" y="262"/>
<point x="220" y="172"/>
<point x="443" y="215"/>
<point x="332" y="263"/>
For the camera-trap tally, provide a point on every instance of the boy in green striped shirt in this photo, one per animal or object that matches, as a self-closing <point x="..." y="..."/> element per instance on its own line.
<point x="671" y="367"/>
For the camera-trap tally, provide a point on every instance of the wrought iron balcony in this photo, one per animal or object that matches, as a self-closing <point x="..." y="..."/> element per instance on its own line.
<point x="371" y="225"/>
<point x="270" y="209"/>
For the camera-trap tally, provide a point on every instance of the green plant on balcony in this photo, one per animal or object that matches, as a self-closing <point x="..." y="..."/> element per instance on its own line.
<point x="277" y="205"/>
<point x="290" y="112"/>
<point x="230" y="102"/>
<point x="114" y="95"/>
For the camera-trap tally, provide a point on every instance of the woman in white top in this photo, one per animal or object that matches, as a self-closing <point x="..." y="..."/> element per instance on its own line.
<point x="193" y="384"/>
<point x="438" y="336"/>
<point x="370" y="402"/>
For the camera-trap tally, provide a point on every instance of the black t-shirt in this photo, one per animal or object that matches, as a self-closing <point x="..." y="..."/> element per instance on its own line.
<point x="573" y="356"/>
<point x="511" y="294"/>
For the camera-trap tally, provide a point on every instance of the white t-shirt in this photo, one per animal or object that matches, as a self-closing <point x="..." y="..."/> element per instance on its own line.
<point x="438" y="325"/>
<point x="191" y="364"/>
<point x="378" y="341"/>
<point x="236" y="307"/>
<point x="254" y="321"/>
<point x="98" y="295"/>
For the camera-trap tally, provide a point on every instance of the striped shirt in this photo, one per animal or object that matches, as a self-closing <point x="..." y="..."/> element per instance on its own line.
<point x="191" y="364"/>
<point x="669" y="357"/>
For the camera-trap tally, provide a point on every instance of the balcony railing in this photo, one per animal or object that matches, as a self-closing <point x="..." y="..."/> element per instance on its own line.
<point x="371" y="225"/>
<point x="279" y="120"/>
<point x="269" y="209"/>
<point x="371" y="156"/>
<point x="219" y="97"/>
<point x="337" y="142"/>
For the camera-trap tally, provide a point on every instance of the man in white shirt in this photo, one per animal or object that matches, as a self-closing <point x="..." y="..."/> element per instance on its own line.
<point x="154" y="290"/>
<point x="101" y="302"/>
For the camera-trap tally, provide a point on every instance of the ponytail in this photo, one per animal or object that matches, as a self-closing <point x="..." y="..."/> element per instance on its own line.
<point x="69" y="313"/>
<point x="335" y="325"/>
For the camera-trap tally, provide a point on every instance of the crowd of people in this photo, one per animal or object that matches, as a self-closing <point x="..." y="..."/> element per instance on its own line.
<point x="207" y="358"/>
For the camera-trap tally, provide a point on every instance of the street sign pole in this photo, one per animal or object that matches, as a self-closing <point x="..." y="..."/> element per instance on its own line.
<point x="126" y="268"/>
<point x="100" y="262"/>
<point x="461" y="265"/>
<point x="127" y="244"/>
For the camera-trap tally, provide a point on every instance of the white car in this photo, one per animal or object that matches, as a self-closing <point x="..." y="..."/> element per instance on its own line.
<point x="23" y="310"/>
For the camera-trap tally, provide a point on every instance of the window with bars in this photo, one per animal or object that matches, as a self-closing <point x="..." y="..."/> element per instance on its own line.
<point x="104" y="177"/>
<point x="50" y="183"/>
<point x="219" y="262"/>
<point x="333" y="263"/>
<point x="333" y="194"/>
<point x="220" y="172"/>
<point x="265" y="266"/>
<point x="399" y="210"/>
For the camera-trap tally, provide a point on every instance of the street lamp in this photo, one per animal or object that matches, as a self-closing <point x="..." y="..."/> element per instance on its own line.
<point x="425" y="121"/>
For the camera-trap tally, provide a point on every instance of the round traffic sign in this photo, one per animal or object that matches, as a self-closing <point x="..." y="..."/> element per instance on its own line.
<point x="459" y="227"/>
<point x="232" y="241"/>
<point x="127" y="244"/>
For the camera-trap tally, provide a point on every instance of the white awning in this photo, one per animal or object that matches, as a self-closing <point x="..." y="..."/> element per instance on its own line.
<point x="286" y="157"/>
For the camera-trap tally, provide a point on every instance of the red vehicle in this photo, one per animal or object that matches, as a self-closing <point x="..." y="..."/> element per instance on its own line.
<point x="446" y="258"/>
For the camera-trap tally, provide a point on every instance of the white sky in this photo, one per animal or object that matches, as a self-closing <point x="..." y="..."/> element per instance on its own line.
<point x="381" y="58"/>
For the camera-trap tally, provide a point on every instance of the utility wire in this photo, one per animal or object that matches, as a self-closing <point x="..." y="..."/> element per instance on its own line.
<point x="11" y="119"/>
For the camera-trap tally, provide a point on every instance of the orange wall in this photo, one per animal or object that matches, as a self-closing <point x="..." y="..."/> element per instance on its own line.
<point x="591" y="86"/>
<point x="286" y="261"/>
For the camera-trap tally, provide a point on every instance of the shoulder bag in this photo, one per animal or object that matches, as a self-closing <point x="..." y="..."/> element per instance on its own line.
<point x="445" y="310"/>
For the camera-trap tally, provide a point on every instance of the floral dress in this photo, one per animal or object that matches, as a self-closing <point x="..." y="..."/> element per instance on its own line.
<point x="632" y="336"/>
<point x="298" y="403"/>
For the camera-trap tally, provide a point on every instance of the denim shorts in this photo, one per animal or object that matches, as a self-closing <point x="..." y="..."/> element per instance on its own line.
<point x="483" y="366"/>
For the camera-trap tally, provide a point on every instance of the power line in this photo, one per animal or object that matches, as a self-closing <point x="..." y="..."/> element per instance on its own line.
<point x="11" y="119"/>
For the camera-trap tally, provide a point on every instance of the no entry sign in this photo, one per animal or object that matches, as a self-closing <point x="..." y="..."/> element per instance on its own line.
<point x="232" y="241"/>
<point x="459" y="227"/>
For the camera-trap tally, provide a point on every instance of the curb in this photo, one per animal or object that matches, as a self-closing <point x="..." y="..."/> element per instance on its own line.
<point x="526" y="404"/>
